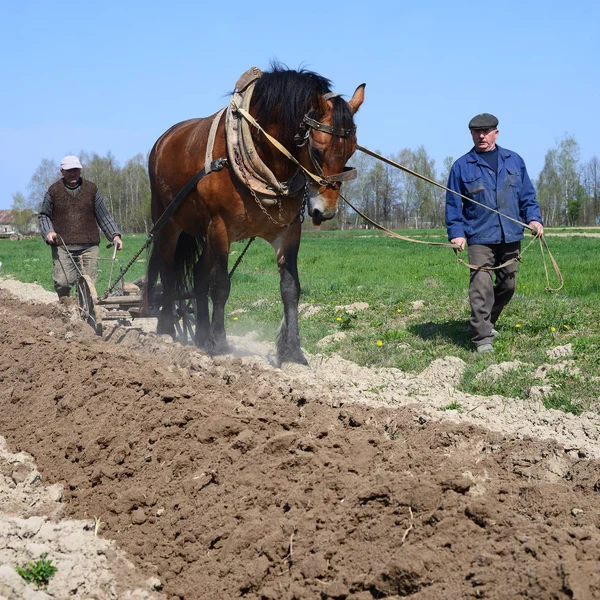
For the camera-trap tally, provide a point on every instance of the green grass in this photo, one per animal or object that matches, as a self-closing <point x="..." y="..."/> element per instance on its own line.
<point x="339" y="268"/>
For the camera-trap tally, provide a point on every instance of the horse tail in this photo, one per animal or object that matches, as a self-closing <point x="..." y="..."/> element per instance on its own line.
<point x="187" y="253"/>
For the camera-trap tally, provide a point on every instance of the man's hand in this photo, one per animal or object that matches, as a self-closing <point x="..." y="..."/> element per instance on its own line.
<point x="52" y="238"/>
<point x="536" y="228"/>
<point x="460" y="242"/>
<point x="118" y="242"/>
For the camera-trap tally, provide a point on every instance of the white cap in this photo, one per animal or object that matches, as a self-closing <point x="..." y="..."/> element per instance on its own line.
<point x="70" y="162"/>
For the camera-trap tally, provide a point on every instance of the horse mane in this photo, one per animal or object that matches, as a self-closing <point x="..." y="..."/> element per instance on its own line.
<point x="289" y="95"/>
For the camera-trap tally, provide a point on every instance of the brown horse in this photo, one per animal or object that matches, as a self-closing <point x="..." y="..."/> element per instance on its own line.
<point x="316" y="127"/>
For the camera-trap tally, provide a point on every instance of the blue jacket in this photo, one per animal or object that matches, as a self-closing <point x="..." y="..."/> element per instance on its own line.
<point x="510" y="193"/>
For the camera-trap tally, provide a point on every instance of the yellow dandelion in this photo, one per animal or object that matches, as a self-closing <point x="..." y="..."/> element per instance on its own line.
<point x="235" y="318"/>
<point x="313" y="301"/>
<point x="339" y="319"/>
<point x="379" y="343"/>
<point x="566" y="326"/>
<point x="552" y="328"/>
<point x="399" y="310"/>
<point x="518" y="325"/>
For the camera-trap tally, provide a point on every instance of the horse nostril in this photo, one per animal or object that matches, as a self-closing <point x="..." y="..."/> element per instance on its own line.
<point x="317" y="216"/>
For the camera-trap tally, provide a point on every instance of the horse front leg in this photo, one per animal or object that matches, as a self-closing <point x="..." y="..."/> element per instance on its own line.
<point x="286" y="247"/>
<point x="219" y="284"/>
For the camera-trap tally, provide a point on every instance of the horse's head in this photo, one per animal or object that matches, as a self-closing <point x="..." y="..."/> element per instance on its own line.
<point x="324" y="141"/>
<point x="328" y="133"/>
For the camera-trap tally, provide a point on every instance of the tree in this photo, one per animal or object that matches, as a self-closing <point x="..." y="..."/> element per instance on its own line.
<point x="105" y="173"/>
<point x="575" y="205"/>
<point x="135" y="202"/>
<point x="567" y="161"/>
<point x="440" y="219"/>
<point x="591" y="183"/>
<point x="420" y="205"/>
<point x="45" y="175"/>
<point x="358" y="192"/>
<point x="558" y="182"/>
<point x="22" y="213"/>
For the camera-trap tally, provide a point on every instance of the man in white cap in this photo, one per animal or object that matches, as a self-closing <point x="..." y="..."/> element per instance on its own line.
<point x="71" y="213"/>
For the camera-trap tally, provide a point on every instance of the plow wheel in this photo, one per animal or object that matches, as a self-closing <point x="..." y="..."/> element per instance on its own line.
<point x="87" y="299"/>
<point x="185" y="320"/>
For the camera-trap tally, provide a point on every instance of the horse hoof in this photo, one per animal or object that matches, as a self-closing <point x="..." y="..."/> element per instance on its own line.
<point x="165" y="329"/>
<point x="219" y="348"/>
<point x="298" y="359"/>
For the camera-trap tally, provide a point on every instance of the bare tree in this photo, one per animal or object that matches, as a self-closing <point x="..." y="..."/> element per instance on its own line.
<point x="44" y="176"/>
<point x="591" y="183"/>
<point x="135" y="203"/>
<point x="22" y="212"/>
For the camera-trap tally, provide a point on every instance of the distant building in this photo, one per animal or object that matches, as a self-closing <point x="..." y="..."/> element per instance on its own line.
<point x="7" y="226"/>
<point x="9" y="229"/>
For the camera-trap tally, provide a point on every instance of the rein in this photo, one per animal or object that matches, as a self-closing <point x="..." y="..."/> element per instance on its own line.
<point x="541" y="237"/>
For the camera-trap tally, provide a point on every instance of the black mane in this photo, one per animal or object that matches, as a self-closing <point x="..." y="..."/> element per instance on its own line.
<point x="288" y="95"/>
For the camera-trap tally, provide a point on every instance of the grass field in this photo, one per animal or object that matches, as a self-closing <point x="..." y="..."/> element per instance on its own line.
<point x="340" y="268"/>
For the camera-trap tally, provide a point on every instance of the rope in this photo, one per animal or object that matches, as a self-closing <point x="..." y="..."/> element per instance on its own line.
<point x="393" y="233"/>
<point x="443" y="187"/>
<point x="541" y="237"/>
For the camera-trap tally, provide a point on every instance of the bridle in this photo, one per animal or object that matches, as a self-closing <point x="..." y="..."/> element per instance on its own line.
<point x="303" y="138"/>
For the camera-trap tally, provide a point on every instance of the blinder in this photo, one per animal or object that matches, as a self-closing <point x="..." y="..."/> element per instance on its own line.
<point x="314" y="124"/>
<point x="303" y="137"/>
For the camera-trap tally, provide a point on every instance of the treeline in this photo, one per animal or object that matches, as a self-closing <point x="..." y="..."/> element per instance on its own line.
<point x="568" y="190"/>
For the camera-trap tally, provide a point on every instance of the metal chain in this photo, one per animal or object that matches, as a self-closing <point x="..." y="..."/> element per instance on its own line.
<point x="300" y="214"/>
<point x="123" y="271"/>
<point x="238" y="160"/>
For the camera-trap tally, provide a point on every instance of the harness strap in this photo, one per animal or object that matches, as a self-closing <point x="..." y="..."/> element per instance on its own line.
<point x="245" y="159"/>
<point x="328" y="128"/>
<point x="211" y="141"/>
<point x="280" y="147"/>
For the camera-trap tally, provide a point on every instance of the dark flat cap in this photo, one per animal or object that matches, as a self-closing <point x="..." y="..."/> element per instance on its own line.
<point x="483" y="121"/>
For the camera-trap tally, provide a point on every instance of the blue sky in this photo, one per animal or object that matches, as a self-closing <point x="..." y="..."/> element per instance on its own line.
<point x="112" y="76"/>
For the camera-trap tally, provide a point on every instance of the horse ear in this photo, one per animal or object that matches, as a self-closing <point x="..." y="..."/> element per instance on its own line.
<point x="358" y="98"/>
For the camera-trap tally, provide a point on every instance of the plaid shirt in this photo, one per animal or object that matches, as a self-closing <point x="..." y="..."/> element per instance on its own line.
<point x="103" y="218"/>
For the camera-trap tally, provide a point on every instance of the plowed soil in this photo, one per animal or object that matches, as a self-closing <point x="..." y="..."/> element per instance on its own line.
<point x="227" y="478"/>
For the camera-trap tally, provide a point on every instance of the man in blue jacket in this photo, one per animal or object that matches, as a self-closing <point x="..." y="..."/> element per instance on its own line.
<point x="496" y="178"/>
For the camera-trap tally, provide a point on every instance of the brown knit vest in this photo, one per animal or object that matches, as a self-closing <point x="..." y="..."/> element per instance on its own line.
<point x="73" y="216"/>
